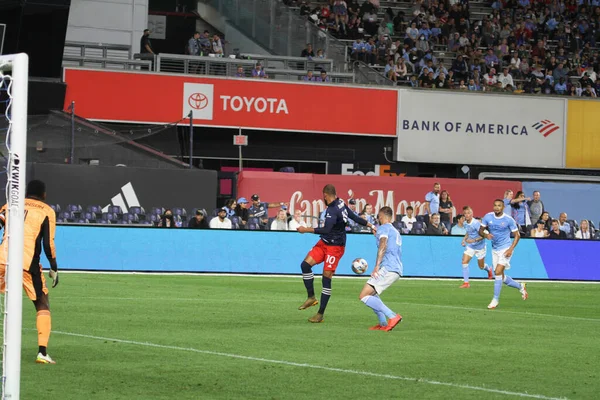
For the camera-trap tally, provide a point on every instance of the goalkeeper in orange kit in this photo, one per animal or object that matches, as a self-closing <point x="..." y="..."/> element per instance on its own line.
<point x="39" y="230"/>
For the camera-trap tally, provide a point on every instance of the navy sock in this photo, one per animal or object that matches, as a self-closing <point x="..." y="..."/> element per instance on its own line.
<point x="309" y="278"/>
<point x="325" y="294"/>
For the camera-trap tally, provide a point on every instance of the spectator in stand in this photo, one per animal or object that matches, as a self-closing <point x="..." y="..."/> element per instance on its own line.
<point x="409" y="219"/>
<point x="584" y="232"/>
<point x="509" y="201"/>
<point x="547" y="220"/>
<point x="432" y="200"/>
<point x="563" y="224"/>
<point x="221" y="221"/>
<point x="352" y="207"/>
<point x="167" y="220"/>
<point x="242" y="211"/>
<point x="540" y="230"/>
<point x="230" y="206"/>
<point x="193" y="47"/>
<point x="323" y="77"/>
<point x="217" y="46"/>
<point x="459" y="229"/>
<point x="340" y="11"/>
<point x="280" y="223"/>
<point x="145" y="45"/>
<point x="199" y="220"/>
<point x="446" y="207"/>
<point x="297" y="221"/>
<point x="370" y="214"/>
<point x="260" y="210"/>
<point x="363" y="229"/>
<point x="520" y="212"/>
<point x="259" y="72"/>
<point x="204" y="41"/>
<point x="240" y="72"/>
<point x="308" y="52"/>
<point x="308" y="77"/>
<point x="556" y="232"/>
<point x="536" y="206"/>
<point x="505" y="78"/>
<point x="561" y="86"/>
<point x="435" y="227"/>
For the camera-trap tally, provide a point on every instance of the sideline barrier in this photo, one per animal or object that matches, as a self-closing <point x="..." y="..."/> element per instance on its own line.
<point x="183" y="250"/>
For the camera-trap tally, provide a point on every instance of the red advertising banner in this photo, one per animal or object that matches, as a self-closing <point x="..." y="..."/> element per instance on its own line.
<point x="139" y="97"/>
<point x="304" y="191"/>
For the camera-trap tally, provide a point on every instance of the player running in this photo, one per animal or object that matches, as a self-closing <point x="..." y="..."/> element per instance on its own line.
<point x="500" y="226"/>
<point x="388" y="269"/>
<point x="328" y="250"/>
<point x="40" y="224"/>
<point x="474" y="246"/>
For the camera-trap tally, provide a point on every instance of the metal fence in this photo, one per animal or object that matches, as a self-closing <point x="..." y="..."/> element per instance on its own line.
<point x="280" y="29"/>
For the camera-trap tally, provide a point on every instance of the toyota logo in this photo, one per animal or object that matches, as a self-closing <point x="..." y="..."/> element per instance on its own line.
<point x="198" y="101"/>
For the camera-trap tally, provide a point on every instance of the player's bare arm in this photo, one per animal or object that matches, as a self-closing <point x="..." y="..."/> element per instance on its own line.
<point x="380" y="254"/>
<point x="510" y="250"/>
<point x="482" y="233"/>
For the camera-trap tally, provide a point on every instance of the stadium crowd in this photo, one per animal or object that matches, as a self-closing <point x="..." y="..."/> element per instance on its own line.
<point x="436" y="215"/>
<point x="522" y="46"/>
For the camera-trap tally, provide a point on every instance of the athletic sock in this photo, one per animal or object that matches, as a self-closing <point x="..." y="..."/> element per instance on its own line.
<point x="487" y="268"/>
<point x="497" y="287"/>
<point x="377" y="305"/>
<point x="309" y="278"/>
<point x="325" y="294"/>
<point x="381" y="317"/>
<point x="508" y="281"/>
<point x="44" y="325"/>
<point x="466" y="272"/>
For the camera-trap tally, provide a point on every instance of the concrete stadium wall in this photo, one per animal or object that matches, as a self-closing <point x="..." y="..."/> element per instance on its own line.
<point x="183" y="250"/>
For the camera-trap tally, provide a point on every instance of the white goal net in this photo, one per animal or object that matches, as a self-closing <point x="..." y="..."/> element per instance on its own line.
<point x="13" y="106"/>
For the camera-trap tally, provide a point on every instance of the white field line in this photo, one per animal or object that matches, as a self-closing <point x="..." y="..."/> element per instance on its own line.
<point x="291" y="276"/>
<point x="320" y="367"/>
<point x="204" y="300"/>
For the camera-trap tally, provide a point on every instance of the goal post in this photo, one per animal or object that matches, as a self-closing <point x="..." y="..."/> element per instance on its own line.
<point x="14" y="75"/>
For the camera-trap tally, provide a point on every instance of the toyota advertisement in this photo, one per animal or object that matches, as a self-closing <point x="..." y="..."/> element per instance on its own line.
<point x="124" y="96"/>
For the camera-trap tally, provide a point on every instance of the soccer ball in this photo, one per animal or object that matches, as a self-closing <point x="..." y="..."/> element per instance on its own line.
<point x="360" y="266"/>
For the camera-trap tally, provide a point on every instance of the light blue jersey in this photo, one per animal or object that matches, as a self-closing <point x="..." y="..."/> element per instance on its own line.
<point x="473" y="233"/>
<point x="434" y="202"/>
<point x="393" y="253"/>
<point x="500" y="228"/>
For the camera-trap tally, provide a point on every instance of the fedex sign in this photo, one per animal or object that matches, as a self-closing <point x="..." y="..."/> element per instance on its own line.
<point x="378" y="170"/>
<point x="105" y="95"/>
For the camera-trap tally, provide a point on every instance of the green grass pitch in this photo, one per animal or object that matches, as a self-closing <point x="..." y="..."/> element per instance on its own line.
<point x="229" y="337"/>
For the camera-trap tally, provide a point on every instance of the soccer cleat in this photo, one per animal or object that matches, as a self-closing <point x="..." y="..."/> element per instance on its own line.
<point x="315" y="319"/>
<point x="392" y="322"/>
<point x="490" y="274"/>
<point x="524" y="294"/>
<point x="493" y="304"/>
<point x="44" y="359"/>
<point x="465" y="285"/>
<point x="377" y="328"/>
<point x="311" y="301"/>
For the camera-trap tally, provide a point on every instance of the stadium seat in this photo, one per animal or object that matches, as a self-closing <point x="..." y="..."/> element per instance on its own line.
<point x="253" y="227"/>
<point x="94" y="209"/>
<point x="108" y="217"/>
<point x="60" y="221"/>
<point x="130" y="218"/>
<point x="418" y="228"/>
<point x="448" y="225"/>
<point x="270" y="221"/>
<point x="115" y="210"/>
<point x="157" y="210"/>
<point x="90" y="216"/>
<point x="103" y="221"/>
<point x="235" y="222"/>
<point x="597" y="235"/>
<point x="82" y="221"/>
<point x="253" y="220"/>
<point x="66" y="216"/>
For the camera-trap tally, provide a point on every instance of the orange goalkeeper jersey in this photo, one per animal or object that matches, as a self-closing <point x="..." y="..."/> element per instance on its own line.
<point x="39" y="229"/>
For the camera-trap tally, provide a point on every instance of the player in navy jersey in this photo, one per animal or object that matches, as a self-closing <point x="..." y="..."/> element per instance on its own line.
<point x="388" y="269"/>
<point x="474" y="247"/>
<point x="329" y="249"/>
<point x="500" y="226"/>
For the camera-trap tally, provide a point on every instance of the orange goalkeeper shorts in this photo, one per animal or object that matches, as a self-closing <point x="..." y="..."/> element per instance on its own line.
<point x="34" y="282"/>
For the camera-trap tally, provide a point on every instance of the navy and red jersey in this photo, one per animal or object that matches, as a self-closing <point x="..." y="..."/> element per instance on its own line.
<point x="336" y="218"/>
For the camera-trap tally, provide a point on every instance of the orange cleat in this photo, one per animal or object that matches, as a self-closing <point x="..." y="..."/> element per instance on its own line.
<point x="465" y="285"/>
<point x="392" y="322"/>
<point x="377" y="328"/>
<point x="490" y="275"/>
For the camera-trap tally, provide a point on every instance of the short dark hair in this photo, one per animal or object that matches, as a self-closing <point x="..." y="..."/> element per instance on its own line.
<point x="465" y="208"/>
<point x="555" y="220"/>
<point x="35" y="188"/>
<point x="196" y="33"/>
<point x="329" y="189"/>
<point x="387" y="211"/>
<point x="410" y="208"/>
<point x="500" y="200"/>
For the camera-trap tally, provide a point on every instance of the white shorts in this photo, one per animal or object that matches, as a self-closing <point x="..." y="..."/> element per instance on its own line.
<point x="384" y="280"/>
<point x="480" y="254"/>
<point x="498" y="257"/>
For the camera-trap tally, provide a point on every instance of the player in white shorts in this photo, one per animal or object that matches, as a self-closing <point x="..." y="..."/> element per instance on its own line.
<point x="388" y="269"/>
<point x="500" y="226"/>
<point x="474" y="247"/>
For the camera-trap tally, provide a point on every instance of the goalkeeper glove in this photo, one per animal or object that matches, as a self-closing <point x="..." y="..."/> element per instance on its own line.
<point x="53" y="273"/>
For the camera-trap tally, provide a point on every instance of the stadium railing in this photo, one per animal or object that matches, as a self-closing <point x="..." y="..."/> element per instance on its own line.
<point x="187" y="64"/>
<point x="292" y="62"/>
<point x="98" y="50"/>
<point x="105" y="63"/>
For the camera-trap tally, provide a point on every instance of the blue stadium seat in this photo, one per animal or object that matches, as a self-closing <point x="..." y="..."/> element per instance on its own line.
<point x="115" y="210"/>
<point x="253" y="220"/>
<point x="130" y="218"/>
<point x="109" y="217"/>
<point x="253" y="227"/>
<point x="448" y="225"/>
<point x="235" y="222"/>
<point x="82" y="221"/>
<point x="157" y="210"/>
<point x="66" y="216"/>
<point x="95" y="209"/>
<point x="103" y="221"/>
<point x="418" y="228"/>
